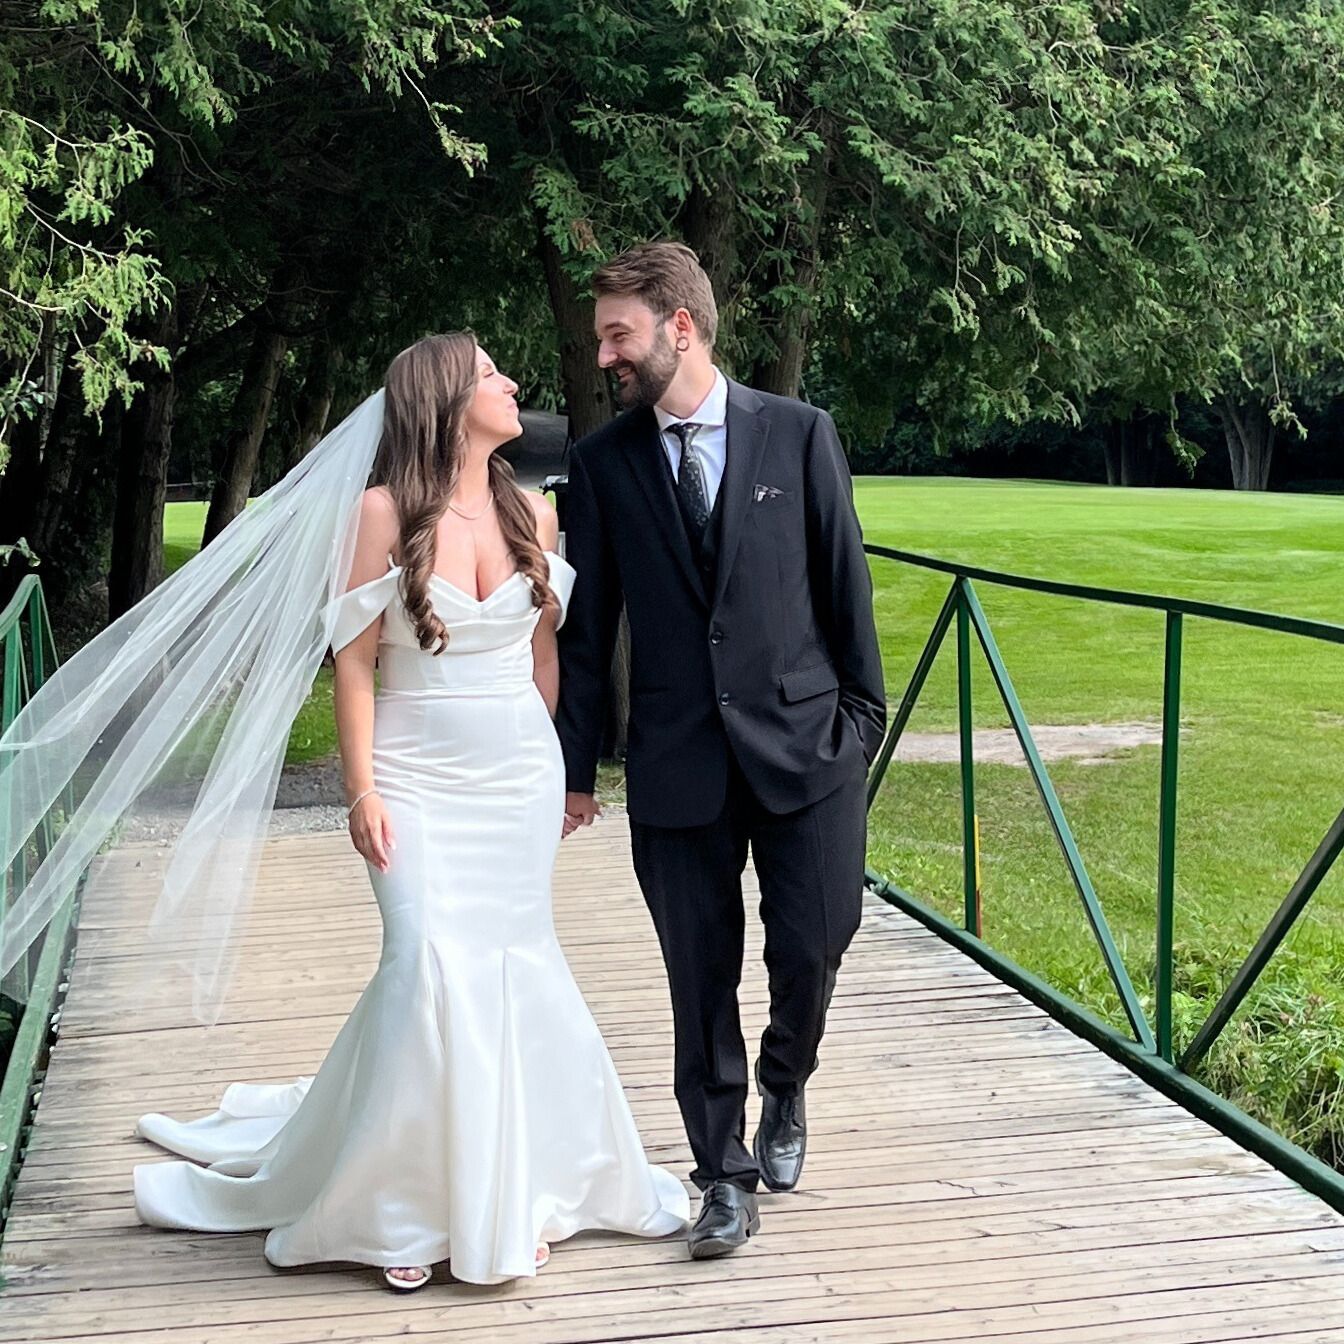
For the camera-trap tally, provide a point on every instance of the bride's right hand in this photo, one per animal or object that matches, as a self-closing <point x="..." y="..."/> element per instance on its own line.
<point x="371" y="831"/>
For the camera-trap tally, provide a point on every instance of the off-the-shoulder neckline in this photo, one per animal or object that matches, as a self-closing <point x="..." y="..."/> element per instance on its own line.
<point x="394" y="569"/>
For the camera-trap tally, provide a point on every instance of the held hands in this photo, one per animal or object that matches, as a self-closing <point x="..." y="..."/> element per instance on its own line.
<point x="371" y="830"/>
<point x="580" y="810"/>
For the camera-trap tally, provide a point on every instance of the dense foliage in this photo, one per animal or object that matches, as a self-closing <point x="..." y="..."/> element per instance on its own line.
<point x="1090" y="231"/>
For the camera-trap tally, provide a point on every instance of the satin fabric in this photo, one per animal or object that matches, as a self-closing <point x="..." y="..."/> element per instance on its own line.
<point x="468" y="1108"/>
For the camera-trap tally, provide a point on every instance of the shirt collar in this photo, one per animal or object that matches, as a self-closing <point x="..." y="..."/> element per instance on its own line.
<point x="712" y="412"/>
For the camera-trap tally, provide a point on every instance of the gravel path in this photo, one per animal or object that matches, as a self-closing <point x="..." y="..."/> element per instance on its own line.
<point x="310" y="798"/>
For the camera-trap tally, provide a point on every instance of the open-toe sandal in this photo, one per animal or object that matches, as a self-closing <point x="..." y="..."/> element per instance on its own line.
<point x="408" y="1285"/>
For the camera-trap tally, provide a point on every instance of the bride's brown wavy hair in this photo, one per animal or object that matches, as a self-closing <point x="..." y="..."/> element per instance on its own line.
<point x="427" y="391"/>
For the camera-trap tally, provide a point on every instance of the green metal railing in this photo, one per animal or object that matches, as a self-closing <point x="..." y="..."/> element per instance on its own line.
<point x="1148" y="1048"/>
<point x="29" y="654"/>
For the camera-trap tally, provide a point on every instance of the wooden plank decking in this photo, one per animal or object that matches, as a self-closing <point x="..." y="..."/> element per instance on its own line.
<point x="976" y="1172"/>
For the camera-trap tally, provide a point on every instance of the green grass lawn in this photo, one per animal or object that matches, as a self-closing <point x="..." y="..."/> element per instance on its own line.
<point x="182" y="528"/>
<point x="1262" y="754"/>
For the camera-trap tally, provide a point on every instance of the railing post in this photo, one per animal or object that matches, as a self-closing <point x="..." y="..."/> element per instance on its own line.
<point x="1166" y="842"/>
<point x="38" y="633"/>
<point x="9" y="709"/>
<point x="907" y="706"/>
<point x="10" y="704"/>
<point x="1120" y="978"/>
<point x="970" y="831"/>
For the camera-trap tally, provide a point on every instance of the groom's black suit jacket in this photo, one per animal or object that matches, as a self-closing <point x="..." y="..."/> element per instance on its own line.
<point x="760" y="642"/>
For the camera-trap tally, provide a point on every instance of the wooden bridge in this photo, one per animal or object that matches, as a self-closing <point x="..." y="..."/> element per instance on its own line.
<point x="976" y="1172"/>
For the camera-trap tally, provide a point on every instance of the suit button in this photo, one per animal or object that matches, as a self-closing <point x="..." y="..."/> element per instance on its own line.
<point x="724" y="698"/>
<point x="716" y="637"/>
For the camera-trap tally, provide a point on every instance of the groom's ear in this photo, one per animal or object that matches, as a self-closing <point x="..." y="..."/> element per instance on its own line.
<point x="683" y="324"/>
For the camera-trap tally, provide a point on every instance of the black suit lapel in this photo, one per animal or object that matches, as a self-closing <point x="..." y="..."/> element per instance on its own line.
<point x="747" y="431"/>
<point x="648" y="462"/>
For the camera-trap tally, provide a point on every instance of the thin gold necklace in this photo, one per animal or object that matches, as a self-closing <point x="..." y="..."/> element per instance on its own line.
<point x="472" y="517"/>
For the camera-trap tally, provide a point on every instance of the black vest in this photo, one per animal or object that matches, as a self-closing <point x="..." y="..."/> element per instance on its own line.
<point x="704" y="545"/>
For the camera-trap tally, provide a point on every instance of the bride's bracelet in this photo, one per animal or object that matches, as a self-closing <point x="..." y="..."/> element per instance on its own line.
<point x="349" y="812"/>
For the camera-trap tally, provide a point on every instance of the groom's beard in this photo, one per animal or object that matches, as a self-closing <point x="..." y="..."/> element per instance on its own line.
<point x="652" y="375"/>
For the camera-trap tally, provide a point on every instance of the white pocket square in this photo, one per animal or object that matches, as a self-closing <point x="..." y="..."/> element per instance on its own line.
<point x="766" y="492"/>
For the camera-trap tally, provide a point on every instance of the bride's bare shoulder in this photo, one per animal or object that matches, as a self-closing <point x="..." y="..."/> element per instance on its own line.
<point x="378" y="503"/>
<point x="548" y="521"/>
<point x="378" y="510"/>
<point x="379" y="526"/>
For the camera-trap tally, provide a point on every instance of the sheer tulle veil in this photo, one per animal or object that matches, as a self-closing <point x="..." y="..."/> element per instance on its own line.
<point x="189" y="697"/>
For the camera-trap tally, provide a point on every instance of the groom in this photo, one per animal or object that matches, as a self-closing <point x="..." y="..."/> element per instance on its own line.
<point x="723" y="517"/>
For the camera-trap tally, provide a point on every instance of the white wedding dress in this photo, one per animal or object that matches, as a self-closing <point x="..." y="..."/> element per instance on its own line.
<point x="468" y="1109"/>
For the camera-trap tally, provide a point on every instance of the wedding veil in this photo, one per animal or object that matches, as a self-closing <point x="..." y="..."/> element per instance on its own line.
<point x="190" y="696"/>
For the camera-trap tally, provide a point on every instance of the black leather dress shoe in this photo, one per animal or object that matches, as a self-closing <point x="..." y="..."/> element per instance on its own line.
<point x="781" y="1137"/>
<point x="727" y="1218"/>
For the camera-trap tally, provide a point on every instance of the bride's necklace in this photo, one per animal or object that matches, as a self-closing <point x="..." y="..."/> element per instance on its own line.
<point x="472" y="517"/>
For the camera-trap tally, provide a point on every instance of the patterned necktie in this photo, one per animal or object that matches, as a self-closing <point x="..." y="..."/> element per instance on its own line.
<point x="691" y="475"/>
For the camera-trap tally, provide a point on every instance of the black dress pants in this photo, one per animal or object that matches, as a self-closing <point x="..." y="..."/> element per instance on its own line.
<point x="810" y="866"/>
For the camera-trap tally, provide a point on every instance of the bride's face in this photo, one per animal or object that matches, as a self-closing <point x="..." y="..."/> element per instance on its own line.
<point x="492" y="416"/>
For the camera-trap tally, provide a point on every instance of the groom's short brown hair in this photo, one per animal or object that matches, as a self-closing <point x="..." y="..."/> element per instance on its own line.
<point x="667" y="276"/>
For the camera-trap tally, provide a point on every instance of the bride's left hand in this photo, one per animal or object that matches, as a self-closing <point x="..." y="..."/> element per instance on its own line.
<point x="371" y="831"/>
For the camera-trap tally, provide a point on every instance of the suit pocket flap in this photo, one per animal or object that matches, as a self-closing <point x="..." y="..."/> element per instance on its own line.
<point x="804" y="682"/>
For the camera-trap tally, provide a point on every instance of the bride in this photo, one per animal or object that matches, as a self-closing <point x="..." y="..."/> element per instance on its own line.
<point x="468" y="1110"/>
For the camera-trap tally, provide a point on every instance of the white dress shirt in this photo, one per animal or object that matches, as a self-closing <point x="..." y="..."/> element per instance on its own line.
<point x="711" y="439"/>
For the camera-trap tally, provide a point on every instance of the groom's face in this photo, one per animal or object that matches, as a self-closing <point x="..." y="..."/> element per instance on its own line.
<point x="635" y="348"/>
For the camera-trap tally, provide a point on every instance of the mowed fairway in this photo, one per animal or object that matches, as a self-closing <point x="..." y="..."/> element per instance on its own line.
<point x="182" y="527"/>
<point x="1262" y="753"/>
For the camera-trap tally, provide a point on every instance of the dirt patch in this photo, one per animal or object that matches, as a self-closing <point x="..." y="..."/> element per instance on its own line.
<point x="312" y="784"/>
<point x="1087" y="743"/>
<point x="319" y="782"/>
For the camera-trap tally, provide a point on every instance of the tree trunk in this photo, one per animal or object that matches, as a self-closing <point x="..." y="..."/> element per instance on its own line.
<point x="19" y="500"/>
<point x="20" y="486"/>
<point x="1134" y="451"/>
<point x="313" y="408"/>
<point x="25" y="491"/>
<point x="589" y="403"/>
<point x="708" y="223"/>
<point x="76" y="526"/>
<point x="142" y="476"/>
<point x="1110" y="450"/>
<point x="1129" y="456"/>
<point x="797" y="276"/>
<point x="68" y="519"/>
<point x="141" y="443"/>
<point x="250" y="414"/>
<point x="587" y="392"/>
<point x="59" y="458"/>
<point x="783" y="375"/>
<point x="1250" y="435"/>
